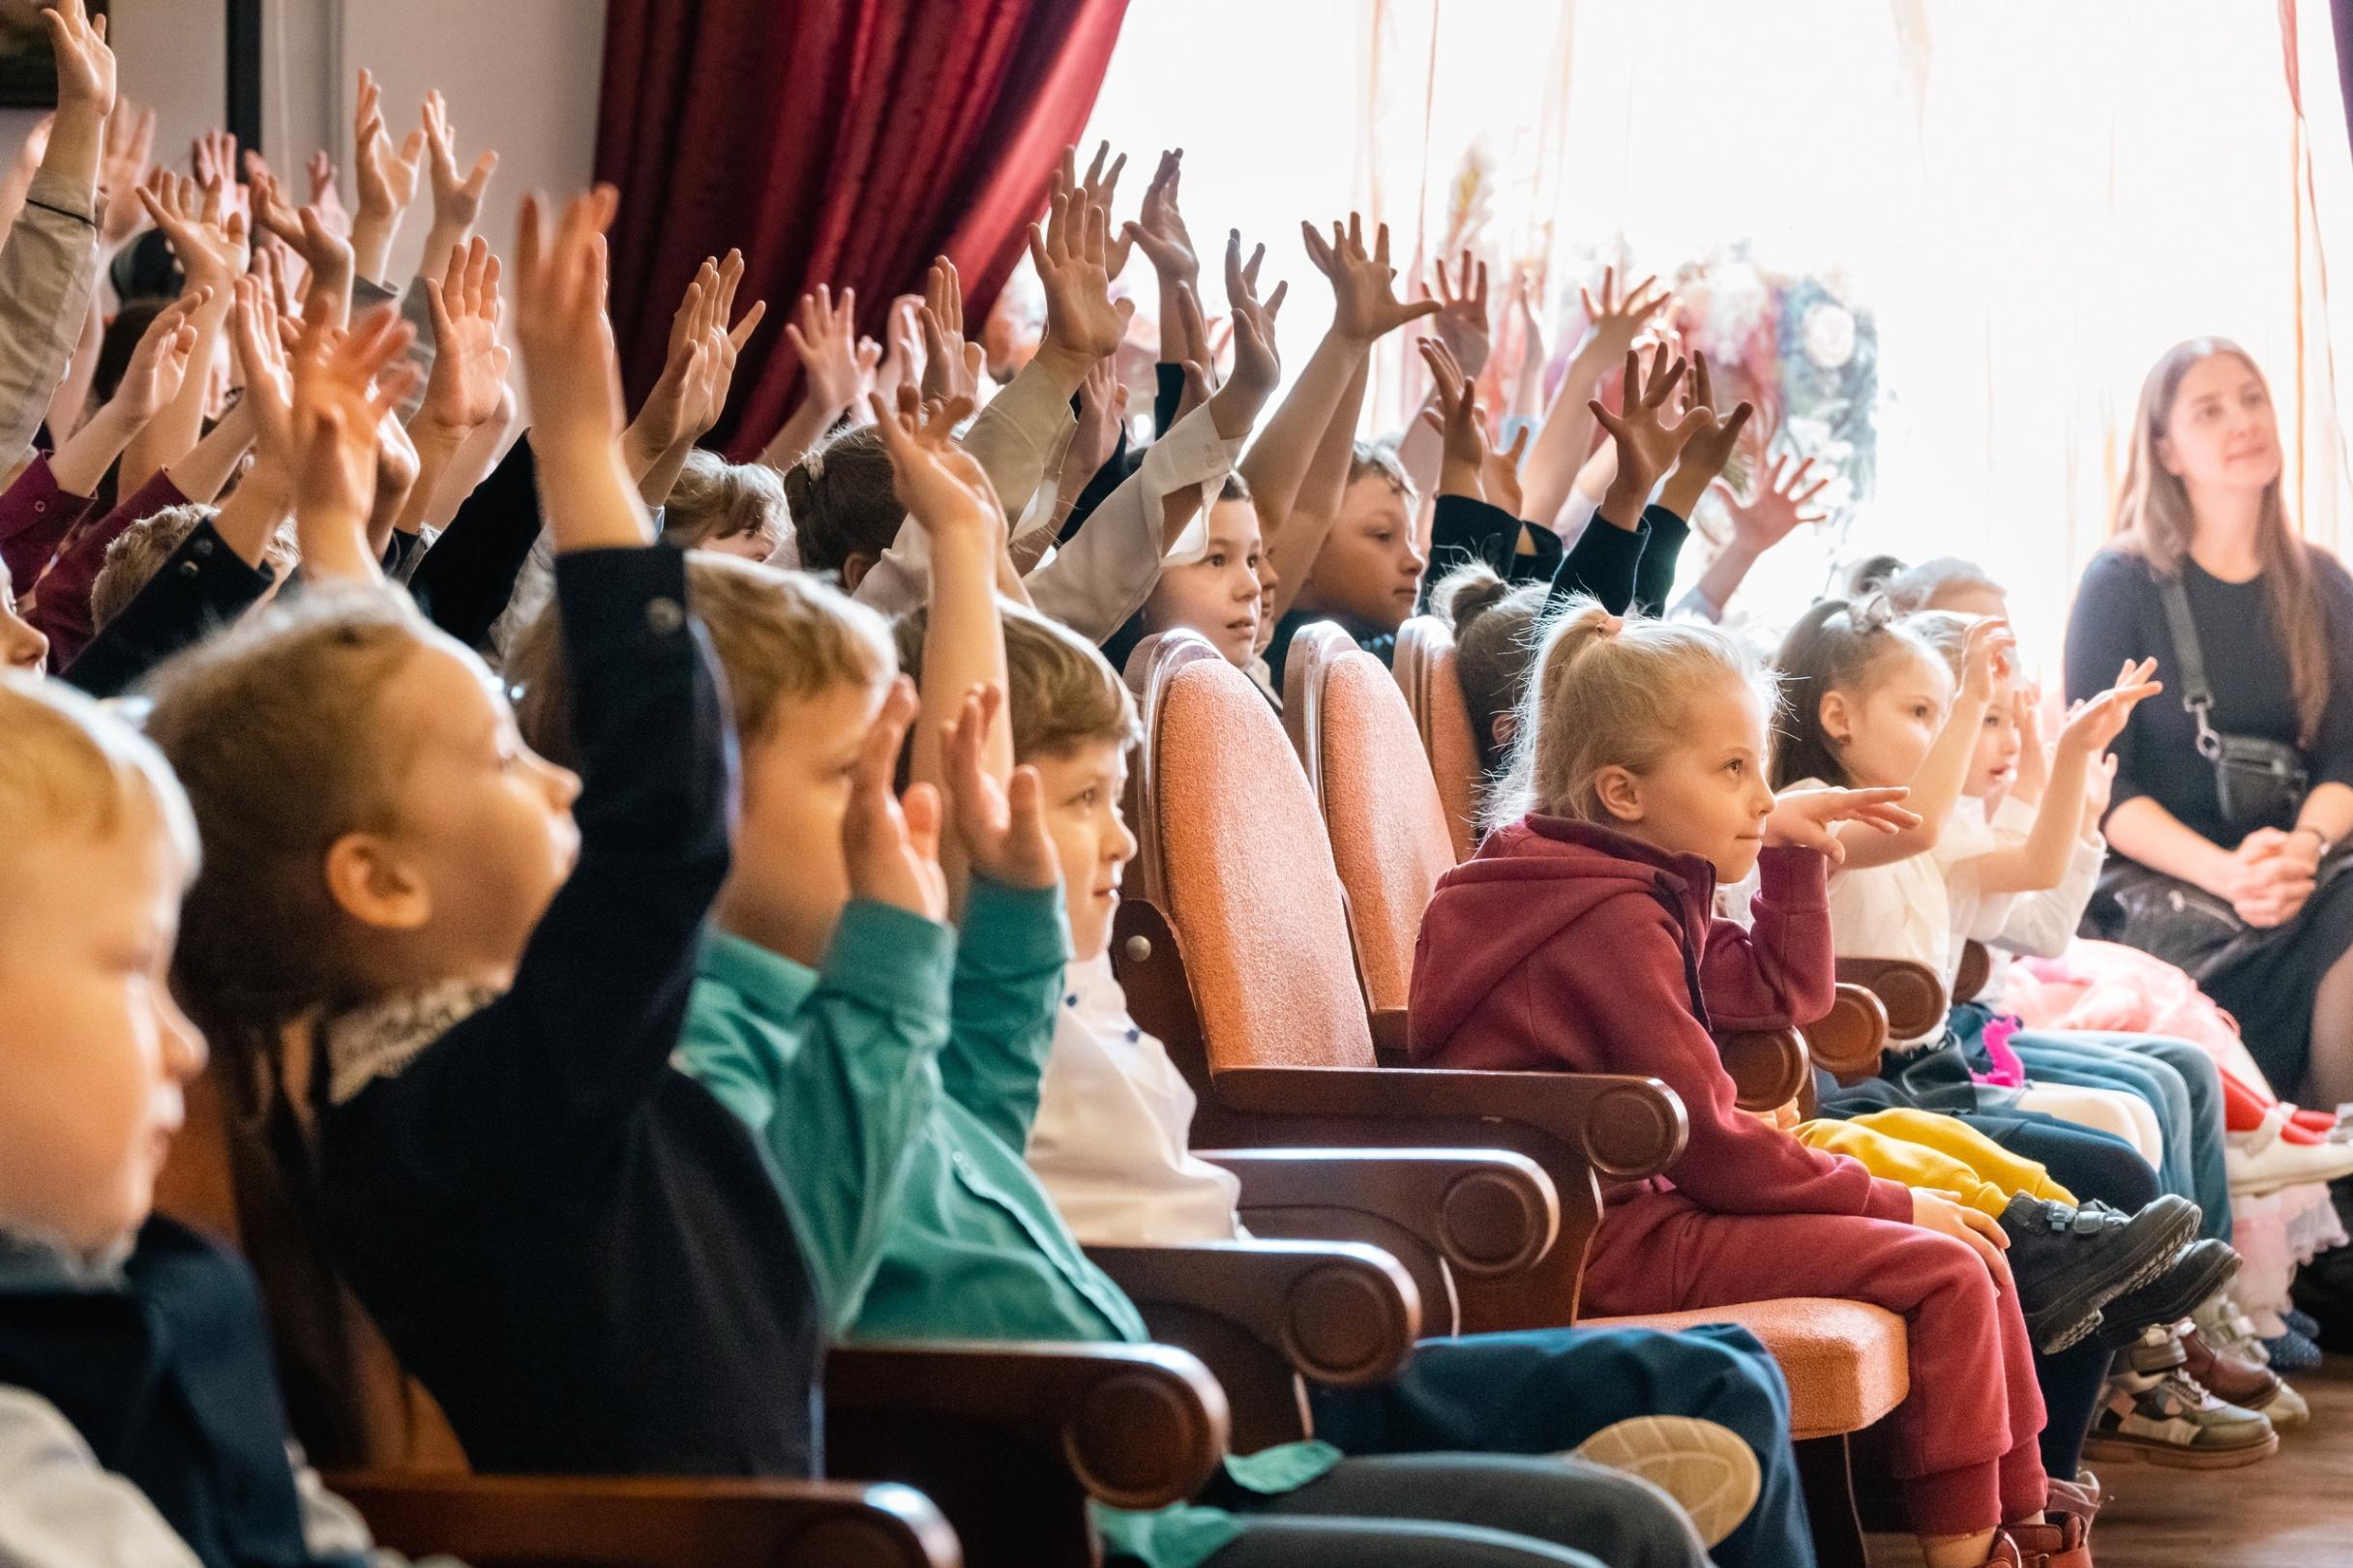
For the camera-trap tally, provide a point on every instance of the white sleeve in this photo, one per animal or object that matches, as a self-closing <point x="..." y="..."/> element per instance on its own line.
<point x="1105" y="573"/>
<point x="59" y="1509"/>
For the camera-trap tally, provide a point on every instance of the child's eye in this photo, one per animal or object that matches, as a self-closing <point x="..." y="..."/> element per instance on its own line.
<point x="1215" y="561"/>
<point x="1736" y="767"/>
<point x="1087" y="798"/>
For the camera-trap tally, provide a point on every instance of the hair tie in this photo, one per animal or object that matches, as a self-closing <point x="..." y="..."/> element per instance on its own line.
<point x="1612" y="625"/>
<point x="814" y="463"/>
<point x="1873" y="614"/>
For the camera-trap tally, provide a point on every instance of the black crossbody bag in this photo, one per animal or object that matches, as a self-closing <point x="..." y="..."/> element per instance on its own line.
<point x="2259" y="782"/>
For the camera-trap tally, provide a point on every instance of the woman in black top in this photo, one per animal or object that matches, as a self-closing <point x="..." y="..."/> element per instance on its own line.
<point x="2249" y="901"/>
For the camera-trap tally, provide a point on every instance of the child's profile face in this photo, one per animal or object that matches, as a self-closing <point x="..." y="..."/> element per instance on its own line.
<point x="1080" y="790"/>
<point x="1707" y="796"/>
<point x="1994" y="765"/>
<point x="747" y="543"/>
<point x="1883" y="729"/>
<point x="482" y="824"/>
<point x="1369" y="568"/>
<point x="93" y="1050"/>
<point x="790" y="881"/>
<point x="22" y="645"/>
<point x="1218" y="595"/>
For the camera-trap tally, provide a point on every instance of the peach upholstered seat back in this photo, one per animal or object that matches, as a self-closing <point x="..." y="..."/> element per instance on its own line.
<point x="1425" y="674"/>
<point x="1233" y="852"/>
<point x="1381" y="809"/>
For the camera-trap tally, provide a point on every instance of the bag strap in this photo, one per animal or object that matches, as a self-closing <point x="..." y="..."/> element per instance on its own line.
<point x="2197" y="697"/>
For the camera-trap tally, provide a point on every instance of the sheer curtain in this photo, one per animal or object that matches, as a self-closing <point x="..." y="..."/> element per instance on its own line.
<point x="2025" y="203"/>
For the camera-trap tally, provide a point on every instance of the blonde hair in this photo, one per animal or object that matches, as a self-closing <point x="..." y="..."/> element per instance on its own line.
<point x="275" y="728"/>
<point x="1060" y="693"/>
<point x="1919" y="587"/>
<point x="778" y="634"/>
<point x="714" y="499"/>
<point x="2154" y="519"/>
<point x="1379" y="459"/>
<point x="139" y="553"/>
<point x="68" y="767"/>
<point x="1610" y="692"/>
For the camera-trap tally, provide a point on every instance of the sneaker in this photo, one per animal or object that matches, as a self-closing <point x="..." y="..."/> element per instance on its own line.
<point x="2194" y="1276"/>
<point x="2302" y="1322"/>
<point x="2156" y="1414"/>
<point x="1704" y="1466"/>
<point x="2062" y="1542"/>
<point x="2070" y="1263"/>
<point x="2291" y="1351"/>
<point x="2225" y="1326"/>
<point x="2262" y="1160"/>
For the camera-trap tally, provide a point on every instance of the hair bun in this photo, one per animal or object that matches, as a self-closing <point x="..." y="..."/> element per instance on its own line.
<point x="1465" y="594"/>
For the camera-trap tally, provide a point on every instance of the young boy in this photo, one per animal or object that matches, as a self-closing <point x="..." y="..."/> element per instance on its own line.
<point x="139" y="1412"/>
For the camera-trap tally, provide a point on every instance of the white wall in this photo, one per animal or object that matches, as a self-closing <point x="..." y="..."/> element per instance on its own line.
<point x="520" y="75"/>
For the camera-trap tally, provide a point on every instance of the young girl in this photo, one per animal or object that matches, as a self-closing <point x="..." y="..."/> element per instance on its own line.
<point x="1577" y="937"/>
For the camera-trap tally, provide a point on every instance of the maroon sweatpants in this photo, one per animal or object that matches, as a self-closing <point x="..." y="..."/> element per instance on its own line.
<point x="1964" y="1439"/>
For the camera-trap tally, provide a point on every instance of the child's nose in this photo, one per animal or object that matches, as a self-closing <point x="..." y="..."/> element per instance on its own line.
<point x="183" y="1049"/>
<point x="1123" y="846"/>
<point x="563" y="786"/>
<point x="27" y="648"/>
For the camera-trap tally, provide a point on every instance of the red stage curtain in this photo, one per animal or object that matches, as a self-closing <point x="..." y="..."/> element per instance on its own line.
<point x="837" y="141"/>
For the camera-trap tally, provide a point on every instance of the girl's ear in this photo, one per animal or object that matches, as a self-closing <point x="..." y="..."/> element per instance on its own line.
<point x="1620" y="791"/>
<point x="1504" y="727"/>
<point x="1838" y="718"/>
<point x="2165" y="457"/>
<point x="371" y="883"/>
<point x="854" y="567"/>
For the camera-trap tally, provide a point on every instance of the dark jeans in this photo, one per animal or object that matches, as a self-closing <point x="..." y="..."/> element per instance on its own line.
<point x="1544" y="1391"/>
<point x="1473" y="1509"/>
<point x="2092" y="1166"/>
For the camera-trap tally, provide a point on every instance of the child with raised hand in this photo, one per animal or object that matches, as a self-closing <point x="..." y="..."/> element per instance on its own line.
<point x="1578" y="938"/>
<point x="139" y="1412"/>
<point x="460" y="996"/>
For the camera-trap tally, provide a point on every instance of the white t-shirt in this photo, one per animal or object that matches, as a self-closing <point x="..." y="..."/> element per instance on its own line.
<point x="1113" y="1117"/>
<point x="1896" y="911"/>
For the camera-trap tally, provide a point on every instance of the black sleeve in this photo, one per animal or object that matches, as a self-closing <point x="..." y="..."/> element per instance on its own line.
<point x="205" y="585"/>
<point x="1654" y="576"/>
<point x="1463" y="530"/>
<point x="1168" y="390"/>
<point x="548" y="1076"/>
<point x="1602" y="563"/>
<point x="2102" y="632"/>
<point x="1123" y="462"/>
<point x="465" y="581"/>
<point x="2331" y="748"/>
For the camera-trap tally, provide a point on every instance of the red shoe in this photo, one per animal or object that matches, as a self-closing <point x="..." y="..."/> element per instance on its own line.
<point x="2063" y="1543"/>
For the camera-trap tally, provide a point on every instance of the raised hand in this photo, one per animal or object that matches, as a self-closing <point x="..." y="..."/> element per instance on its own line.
<point x="560" y="327"/>
<point x="260" y="352"/>
<point x="305" y="232"/>
<point x="385" y="176"/>
<point x="209" y="249"/>
<point x="457" y="198"/>
<point x="1613" y="319"/>
<point x="125" y="164"/>
<point x="892" y="845"/>
<point x="824" y="336"/>
<point x="1462" y="313"/>
<point x="1082" y="323"/>
<point x="1003" y="827"/>
<point x="1499" y="473"/>
<point x="951" y="365"/>
<point x="1710" y="445"/>
<point x="470" y="365"/>
<point x="1463" y="457"/>
<point x="1808" y="819"/>
<point x="1257" y="367"/>
<point x="1780" y="506"/>
<point x="1647" y="444"/>
<point x="323" y="173"/>
<point x="2092" y="725"/>
<point x="344" y="384"/>
<point x="1159" y="230"/>
<point x="1102" y="406"/>
<point x="941" y="486"/>
<point x="85" y="65"/>
<point x="1363" y="283"/>
<point x="1990" y="652"/>
<point x="1098" y="189"/>
<point x="159" y="365"/>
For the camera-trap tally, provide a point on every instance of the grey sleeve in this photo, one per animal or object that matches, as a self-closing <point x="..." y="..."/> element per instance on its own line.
<point x="60" y="1509"/>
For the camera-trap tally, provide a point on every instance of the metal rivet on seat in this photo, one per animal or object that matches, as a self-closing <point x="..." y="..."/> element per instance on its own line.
<point x="664" y="615"/>
<point x="1138" y="949"/>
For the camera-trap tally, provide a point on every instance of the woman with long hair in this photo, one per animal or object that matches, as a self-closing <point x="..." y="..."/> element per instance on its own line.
<point x="2234" y="791"/>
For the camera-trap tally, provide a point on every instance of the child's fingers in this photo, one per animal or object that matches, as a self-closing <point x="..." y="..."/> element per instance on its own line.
<point x="919" y="811"/>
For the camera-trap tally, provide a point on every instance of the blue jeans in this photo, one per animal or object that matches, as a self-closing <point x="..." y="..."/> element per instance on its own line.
<point x="2174" y="1078"/>
<point x="1543" y="1391"/>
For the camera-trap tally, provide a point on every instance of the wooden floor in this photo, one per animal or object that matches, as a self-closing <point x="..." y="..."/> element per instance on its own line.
<point x="2294" y="1510"/>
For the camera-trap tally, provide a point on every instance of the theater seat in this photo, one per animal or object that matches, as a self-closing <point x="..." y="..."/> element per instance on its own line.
<point x="1424" y="670"/>
<point x="1008" y="1441"/>
<point x="1845" y="1360"/>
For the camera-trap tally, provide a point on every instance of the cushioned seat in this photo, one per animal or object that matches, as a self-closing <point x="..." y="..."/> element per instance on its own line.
<point x="1844" y="1360"/>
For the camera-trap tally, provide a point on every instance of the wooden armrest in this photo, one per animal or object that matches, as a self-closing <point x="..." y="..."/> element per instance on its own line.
<point x="1626" y="1128"/>
<point x="1258" y="1312"/>
<point x="1975" y="971"/>
<point x="1010" y="1439"/>
<point x="615" y="1521"/>
<point x="1846" y="1042"/>
<point x="1767" y="1066"/>
<point x="1913" y="993"/>
<point x="1482" y="1211"/>
<point x="1389" y="1037"/>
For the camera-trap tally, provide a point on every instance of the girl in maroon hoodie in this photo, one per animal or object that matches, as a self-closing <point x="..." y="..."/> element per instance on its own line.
<point x="1578" y="938"/>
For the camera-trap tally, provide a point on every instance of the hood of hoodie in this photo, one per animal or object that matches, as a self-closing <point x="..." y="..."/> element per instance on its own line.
<point x="1528" y="884"/>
